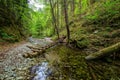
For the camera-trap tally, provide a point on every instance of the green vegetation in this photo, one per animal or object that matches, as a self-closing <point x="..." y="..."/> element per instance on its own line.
<point x="89" y="25"/>
<point x="8" y="37"/>
<point x="72" y="65"/>
<point x="105" y="13"/>
<point x="39" y="25"/>
<point x="11" y="19"/>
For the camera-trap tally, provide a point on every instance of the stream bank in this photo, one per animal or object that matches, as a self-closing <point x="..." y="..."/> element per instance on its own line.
<point x="59" y="63"/>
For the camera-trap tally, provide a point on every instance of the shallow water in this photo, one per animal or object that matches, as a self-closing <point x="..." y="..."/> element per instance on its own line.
<point x="41" y="71"/>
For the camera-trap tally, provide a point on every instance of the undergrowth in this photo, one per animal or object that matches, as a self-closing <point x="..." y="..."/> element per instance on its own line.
<point x="98" y="29"/>
<point x="8" y="36"/>
<point x="73" y="66"/>
<point x="105" y="13"/>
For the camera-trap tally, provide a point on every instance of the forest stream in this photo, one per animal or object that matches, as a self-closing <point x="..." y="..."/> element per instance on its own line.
<point x="57" y="63"/>
<point x="15" y="67"/>
<point x="59" y="40"/>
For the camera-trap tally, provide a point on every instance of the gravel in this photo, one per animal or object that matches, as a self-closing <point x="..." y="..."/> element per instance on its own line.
<point x="14" y="66"/>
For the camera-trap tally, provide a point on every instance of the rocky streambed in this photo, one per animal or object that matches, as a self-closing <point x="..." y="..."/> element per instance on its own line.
<point x="15" y="67"/>
<point x="58" y="63"/>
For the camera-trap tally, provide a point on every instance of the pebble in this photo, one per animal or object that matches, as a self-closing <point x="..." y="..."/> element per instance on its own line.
<point x="15" y="66"/>
<point x="19" y="78"/>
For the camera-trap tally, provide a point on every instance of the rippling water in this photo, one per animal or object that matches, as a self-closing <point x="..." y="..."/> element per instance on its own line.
<point x="41" y="71"/>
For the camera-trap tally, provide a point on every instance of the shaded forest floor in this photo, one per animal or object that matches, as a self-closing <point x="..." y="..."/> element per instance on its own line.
<point x="87" y="38"/>
<point x="74" y="66"/>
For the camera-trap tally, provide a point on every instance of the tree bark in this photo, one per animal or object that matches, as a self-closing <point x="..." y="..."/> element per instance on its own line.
<point x="73" y="6"/>
<point x="54" y="19"/>
<point x="58" y="13"/>
<point x="66" y="20"/>
<point x="104" y="52"/>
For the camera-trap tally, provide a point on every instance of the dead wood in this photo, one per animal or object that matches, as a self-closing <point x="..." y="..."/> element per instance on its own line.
<point x="106" y="51"/>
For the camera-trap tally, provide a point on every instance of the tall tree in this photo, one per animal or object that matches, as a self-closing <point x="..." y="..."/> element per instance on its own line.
<point x="54" y="19"/>
<point x="66" y="20"/>
<point x="73" y="6"/>
<point x="57" y="13"/>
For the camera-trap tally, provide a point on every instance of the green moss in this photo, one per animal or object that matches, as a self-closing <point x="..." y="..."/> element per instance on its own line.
<point x="104" y="34"/>
<point x="74" y="66"/>
<point x="115" y="33"/>
<point x="83" y="42"/>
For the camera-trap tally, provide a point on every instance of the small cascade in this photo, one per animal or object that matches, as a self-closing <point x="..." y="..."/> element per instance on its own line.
<point x="41" y="72"/>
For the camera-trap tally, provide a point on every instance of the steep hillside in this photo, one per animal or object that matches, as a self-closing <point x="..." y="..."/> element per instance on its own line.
<point x="11" y="20"/>
<point x="91" y="32"/>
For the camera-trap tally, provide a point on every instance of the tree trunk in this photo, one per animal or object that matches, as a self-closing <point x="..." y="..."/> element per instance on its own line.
<point x="104" y="52"/>
<point x="66" y="20"/>
<point x="73" y="6"/>
<point x="80" y="7"/>
<point x="54" y="20"/>
<point x="58" y="13"/>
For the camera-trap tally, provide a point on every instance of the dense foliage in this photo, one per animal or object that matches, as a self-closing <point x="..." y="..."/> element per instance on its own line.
<point x="11" y="19"/>
<point x="105" y="13"/>
<point x="25" y="20"/>
<point x="89" y="26"/>
<point x="40" y="24"/>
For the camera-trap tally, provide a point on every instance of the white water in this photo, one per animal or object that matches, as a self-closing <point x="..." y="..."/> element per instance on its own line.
<point x="42" y="71"/>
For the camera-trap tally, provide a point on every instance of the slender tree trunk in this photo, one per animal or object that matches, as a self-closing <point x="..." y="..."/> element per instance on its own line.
<point x="80" y="7"/>
<point x="61" y="15"/>
<point x="58" y="13"/>
<point x="73" y="6"/>
<point x="66" y="20"/>
<point x="54" y="19"/>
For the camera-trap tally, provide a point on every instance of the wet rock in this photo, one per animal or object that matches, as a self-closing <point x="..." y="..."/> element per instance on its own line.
<point x="25" y="68"/>
<point x="10" y="78"/>
<point x="19" y="69"/>
<point x="19" y="78"/>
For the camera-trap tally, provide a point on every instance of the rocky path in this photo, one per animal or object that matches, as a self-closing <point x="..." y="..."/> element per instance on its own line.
<point x="14" y="66"/>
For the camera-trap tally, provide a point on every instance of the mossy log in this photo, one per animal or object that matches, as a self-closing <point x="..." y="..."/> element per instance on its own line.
<point x="36" y="51"/>
<point x="40" y="50"/>
<point x="104" y="52"/>
<point x="33" y="47"/>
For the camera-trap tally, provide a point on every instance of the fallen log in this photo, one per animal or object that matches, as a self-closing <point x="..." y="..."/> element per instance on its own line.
<point x="34" y="54"/>
<point x="104" y="52"/>
<point x="40" y="50"/>
<point x="35" y="50"/>
<point x="32" y="47"/>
